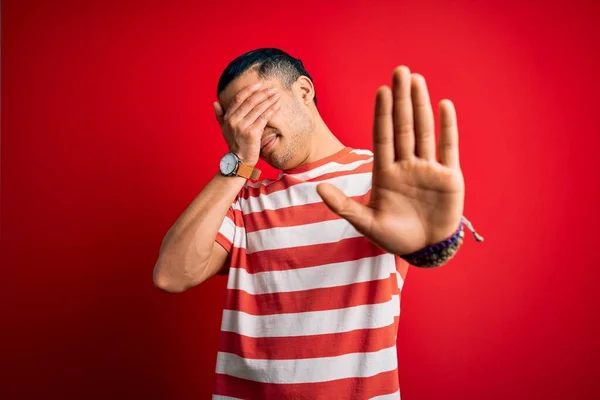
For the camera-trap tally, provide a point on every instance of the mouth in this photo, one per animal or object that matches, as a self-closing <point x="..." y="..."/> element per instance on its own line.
<point x="267" y="143"/>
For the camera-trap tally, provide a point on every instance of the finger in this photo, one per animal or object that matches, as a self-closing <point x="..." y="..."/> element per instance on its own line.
<point x="251" y="102"/>
<point x="360" y="216"/>
<point x="404" y="139"/>
<point x="264" y="118"/>
<point x="423" y="119"/>
<point x="448" y="146"/>
<point x="240" y="97"/>
<point x="383" y="128"/>
<point x="260" y="108"/>
<point x="218" y="112"/>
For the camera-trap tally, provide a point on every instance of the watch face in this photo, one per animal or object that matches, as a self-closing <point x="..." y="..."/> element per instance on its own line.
<point x="228" y="164"/>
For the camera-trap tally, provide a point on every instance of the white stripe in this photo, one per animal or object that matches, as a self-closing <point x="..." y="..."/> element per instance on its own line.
<point x="362" y="152"/>
<point x="301" y="235"/>
<point x="323" y="276"/>
<point x="219" y="397"/>
<point x="308" y="370"/>
<point x="304" y="193"/>
<point x="227" y="228"/>
<point x="399" y="280"/>
<point x="239" y="239"/>
<point x="233" y="233"/>
<point x="393" y="396"/>
<point x="328" y="168"/>
<point x="369" y="316"/>
<point x="265" y="182"/>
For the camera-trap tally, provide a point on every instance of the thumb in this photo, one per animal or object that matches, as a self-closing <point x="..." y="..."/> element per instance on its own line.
<point x="360" y="216"/>
<point x="218" y="112"/>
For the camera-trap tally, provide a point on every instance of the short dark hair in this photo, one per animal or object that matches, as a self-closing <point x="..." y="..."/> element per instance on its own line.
<point x="268" y="62"/>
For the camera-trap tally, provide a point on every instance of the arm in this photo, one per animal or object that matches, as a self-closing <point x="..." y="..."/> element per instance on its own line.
<point x="189" y="253"/>
<point x="417" y="197"/>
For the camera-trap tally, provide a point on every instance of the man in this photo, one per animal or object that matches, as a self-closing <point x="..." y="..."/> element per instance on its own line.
<point x="317" y="257"/>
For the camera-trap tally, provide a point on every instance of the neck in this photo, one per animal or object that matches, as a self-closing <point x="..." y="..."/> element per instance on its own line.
<point x="322" y="143"/>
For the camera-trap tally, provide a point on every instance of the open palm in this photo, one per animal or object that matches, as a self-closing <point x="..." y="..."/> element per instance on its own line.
<point x="416" y="199"/>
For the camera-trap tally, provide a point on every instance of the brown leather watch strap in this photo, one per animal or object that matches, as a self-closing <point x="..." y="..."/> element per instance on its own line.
<point x="248" y="171"/>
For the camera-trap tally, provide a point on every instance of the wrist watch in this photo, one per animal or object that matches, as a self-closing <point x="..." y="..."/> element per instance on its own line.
<point x="232" y="165"/>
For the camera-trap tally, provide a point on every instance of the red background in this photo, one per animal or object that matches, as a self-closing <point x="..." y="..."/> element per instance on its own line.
<point x="108" y="134"/>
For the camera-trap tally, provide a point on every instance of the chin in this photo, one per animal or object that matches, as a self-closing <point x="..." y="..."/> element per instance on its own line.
<point x="276" y="163"/>
<point x="281" y="157"/>
<point x="285" y="165"/>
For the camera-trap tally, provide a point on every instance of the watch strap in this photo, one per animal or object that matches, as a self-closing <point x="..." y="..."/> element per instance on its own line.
<point x="248" y="171"/>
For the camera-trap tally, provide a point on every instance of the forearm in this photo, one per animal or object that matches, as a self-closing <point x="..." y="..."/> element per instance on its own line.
<point x="186" y="249"/>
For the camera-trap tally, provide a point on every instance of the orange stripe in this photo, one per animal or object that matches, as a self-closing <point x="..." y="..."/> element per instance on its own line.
<point x="223" y="241"/>
<point x="306" y="256"/>
<point x="313" y="346"/>
<point x="294" y="215"/>
<point x="310" y="256"/>
<point x="331" y="298"/>
<point x="350" y="388"/>
<point x="401" y="267"/>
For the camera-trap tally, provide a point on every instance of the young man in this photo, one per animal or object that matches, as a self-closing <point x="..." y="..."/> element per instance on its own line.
<point x="316" y="258"/>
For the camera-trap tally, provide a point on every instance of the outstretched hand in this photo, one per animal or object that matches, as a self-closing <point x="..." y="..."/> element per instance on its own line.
<point x="416" y="200"/>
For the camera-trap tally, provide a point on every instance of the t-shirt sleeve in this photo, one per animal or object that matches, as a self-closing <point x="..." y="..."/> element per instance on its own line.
<point x="227" y="231"/>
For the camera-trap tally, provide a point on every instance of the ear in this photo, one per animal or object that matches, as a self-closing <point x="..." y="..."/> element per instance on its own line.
<point x="305" y="89"/>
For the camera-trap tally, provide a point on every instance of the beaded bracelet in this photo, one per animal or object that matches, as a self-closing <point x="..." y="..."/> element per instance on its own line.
<point x="440" y="253"/>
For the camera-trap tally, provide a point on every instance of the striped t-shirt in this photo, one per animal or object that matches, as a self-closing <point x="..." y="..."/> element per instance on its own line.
<point x="312" y="306"/>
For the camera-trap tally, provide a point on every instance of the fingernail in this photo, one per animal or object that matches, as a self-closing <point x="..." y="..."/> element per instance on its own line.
<point x="256" y="85"/>
<point x="272" y="91"/>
